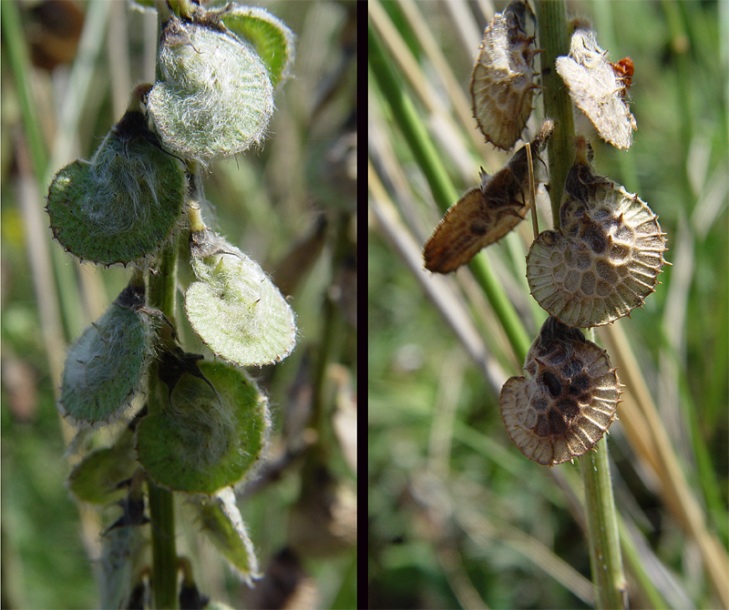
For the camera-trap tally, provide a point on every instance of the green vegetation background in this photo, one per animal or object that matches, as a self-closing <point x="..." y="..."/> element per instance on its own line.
<point x="457" y="517"/>
<point x="264" y="202"/>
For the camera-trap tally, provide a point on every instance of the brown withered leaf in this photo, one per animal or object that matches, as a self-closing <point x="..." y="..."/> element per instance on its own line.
<point x="485" y="213"/>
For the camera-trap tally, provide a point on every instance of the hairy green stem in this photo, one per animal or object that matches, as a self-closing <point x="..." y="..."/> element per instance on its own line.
<point x="161" y="295"/>
<point x="602" y="527"/>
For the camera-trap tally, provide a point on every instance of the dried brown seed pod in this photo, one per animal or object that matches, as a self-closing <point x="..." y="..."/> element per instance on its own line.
<point x="606" y="258"/>
<point x="502" y="84"/>
<point x="485" y="213"/>
<point x="567" y="400"/>
<point x="596" y="89"/>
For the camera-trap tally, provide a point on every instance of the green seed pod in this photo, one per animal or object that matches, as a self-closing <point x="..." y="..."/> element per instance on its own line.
<point x="567" y="400"/>
<point x="210" y="435"/>
<point x="122" y="558"/>
<point x="123" y="204"/>
<point x="106" y="365"/>
<point x="96" y="478"/>
<point x="234" y="307"/>
<point x="215" y="97"/>
<point x="223" y="525"/>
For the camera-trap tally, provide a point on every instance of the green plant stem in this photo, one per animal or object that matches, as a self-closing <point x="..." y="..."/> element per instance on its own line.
<point x="602" y="528"/>
<point x="554" y="42"/>
<point x="161" y="295"/>
<point x="605" y="556"/>
<point x="444" y="193"/>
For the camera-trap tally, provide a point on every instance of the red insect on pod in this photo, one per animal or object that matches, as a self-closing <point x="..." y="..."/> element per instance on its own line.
<point x="624" y="70"/>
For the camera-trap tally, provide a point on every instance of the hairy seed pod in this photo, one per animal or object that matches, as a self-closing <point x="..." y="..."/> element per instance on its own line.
<point x="566" y="401"/>
<point x="212" y="431"/>
<point x="105" y="367"/>
<point x="485" y="213"/>
<point x="596" y="89"/>
<point x="502" y="84"/>
<point x="234" y="306"/>
<point x="606" y="258"/>
<point x="215" y="97"/>
<point x="221" y="523"/>
<point x="123" y="204"/>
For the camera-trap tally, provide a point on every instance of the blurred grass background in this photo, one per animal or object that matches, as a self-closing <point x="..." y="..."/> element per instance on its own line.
<point x="290" y="205"/>
<point x="457" y="517"/>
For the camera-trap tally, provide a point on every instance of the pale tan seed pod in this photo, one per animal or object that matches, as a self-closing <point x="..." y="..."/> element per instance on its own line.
<point x="606" y="258"/>
<point x="485" y="213"/>
<point x="502" y="81"/>
<point x="596" y="88"/>
<point x="566" y="401"/>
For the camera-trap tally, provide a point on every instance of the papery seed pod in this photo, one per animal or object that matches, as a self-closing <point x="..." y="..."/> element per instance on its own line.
<point x="606" y="258"/>
<point x="596" y="89"/>
<point x="566" y="401"/>
<point x="215" y="97"/>
<point x="486" y="213"/>
<point x="123" y="204"/>
<point x="502" y="82"/>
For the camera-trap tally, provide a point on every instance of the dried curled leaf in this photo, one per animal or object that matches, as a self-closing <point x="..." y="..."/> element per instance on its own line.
<point x="566" y="401"/>
<point x="502" y="84"/>
<point x="596" y="89"/>
<point x="486" y="213"/>
<point x="606" y="258"/>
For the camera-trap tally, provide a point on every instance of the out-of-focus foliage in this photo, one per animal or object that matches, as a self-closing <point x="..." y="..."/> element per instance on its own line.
<point x="288" y="204"/>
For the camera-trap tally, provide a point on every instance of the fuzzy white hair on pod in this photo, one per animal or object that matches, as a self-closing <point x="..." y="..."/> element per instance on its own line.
<point x="205" y="425"/>
<point x="215" y="97"/>
<point x="105" y="367"/>
<point x="124" y="203"/>
<point x="234" y="306"/>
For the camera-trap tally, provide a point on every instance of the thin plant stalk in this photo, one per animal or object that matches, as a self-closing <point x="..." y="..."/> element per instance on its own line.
<point x="602" y="529"/>
<point x="554" y="43"/>
<point x="161" y="502"/>
<point x="602" y="526"/>
<point x="161" y="295"/>
<point x="443" y="190"/>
